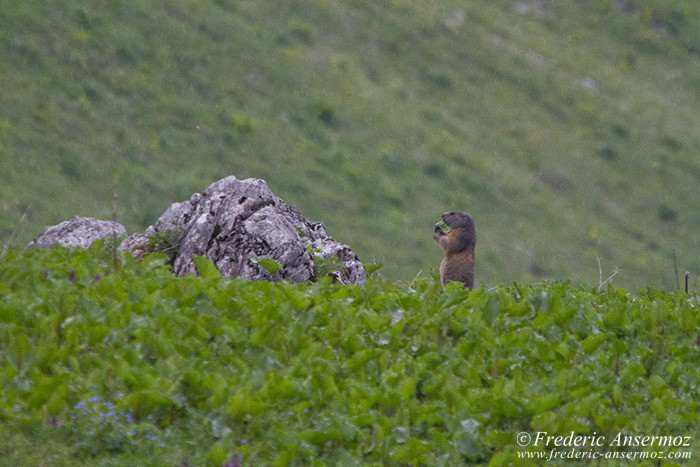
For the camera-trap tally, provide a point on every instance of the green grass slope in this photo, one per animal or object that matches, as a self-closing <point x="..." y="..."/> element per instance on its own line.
<point x="130" y="365"/>
<point x="569" y="130"/>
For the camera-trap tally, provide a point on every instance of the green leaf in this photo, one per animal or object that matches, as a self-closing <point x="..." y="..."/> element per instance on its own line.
<point x="216" y="457"/>
<point x="155" y="261"/>
<point x="372" y="268"/>
<point x="492" y="310"/>
<point x="401" y="434"/>
<point x="269" y="264"/>
<point x="563" y="350"/>
<point x="413" y="452"/>
<point x="593" y="341"/>
<point x="545" y="402"/>
<point x="205" y="267"/>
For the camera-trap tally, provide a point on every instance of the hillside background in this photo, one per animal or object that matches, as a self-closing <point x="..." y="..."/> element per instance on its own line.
<point x="569" y="130"/>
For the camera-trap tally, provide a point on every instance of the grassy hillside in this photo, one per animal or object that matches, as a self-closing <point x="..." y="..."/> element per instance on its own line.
<point x="105" y="363"/>
<point x="569" y="130"/>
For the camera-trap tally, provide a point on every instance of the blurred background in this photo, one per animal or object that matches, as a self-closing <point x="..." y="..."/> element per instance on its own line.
<point x="569" y="130"/>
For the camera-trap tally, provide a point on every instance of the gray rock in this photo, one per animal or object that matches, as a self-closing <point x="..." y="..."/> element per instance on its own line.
<point x="240" y="225"/>
<point x="78" y="232"/>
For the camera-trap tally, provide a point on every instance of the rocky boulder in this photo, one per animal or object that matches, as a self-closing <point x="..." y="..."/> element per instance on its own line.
<point x="246" y="231"/>
<point x="78" y="232"/>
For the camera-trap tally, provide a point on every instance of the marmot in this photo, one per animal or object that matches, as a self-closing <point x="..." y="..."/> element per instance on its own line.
<point x="458" y="243"/>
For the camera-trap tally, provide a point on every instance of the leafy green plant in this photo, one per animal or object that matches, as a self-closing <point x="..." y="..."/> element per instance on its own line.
<point x="372" y="268"/>
<point x="134" y="365"/>
<point x="167" y="242"/>
<point x="326" y="264"/>
<point x="101" y="427"/>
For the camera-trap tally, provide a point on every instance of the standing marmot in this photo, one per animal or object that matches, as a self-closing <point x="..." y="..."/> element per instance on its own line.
<point x="458" y="243"/>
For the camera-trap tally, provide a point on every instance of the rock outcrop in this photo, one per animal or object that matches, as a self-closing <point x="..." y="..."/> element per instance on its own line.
<point x="246" y="231"/>
<point x="240" y="225"/>
<point x="78" y="232"/>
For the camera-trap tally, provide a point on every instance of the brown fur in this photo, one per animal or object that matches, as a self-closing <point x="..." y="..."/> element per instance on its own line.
<point x="458" y="245"/>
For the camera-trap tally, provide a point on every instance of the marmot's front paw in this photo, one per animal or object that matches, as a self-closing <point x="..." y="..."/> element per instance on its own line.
<point x="439" y="234"/>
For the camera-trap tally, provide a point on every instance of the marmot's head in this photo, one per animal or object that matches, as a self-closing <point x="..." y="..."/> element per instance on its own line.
<point x="461" y="234"/>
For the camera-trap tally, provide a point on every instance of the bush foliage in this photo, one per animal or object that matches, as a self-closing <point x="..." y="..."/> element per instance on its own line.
<point x="123" y="363"/>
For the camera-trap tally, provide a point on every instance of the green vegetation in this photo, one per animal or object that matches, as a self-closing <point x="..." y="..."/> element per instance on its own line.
<point x="106" y="363"/>
<point x="569" y="130"/>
